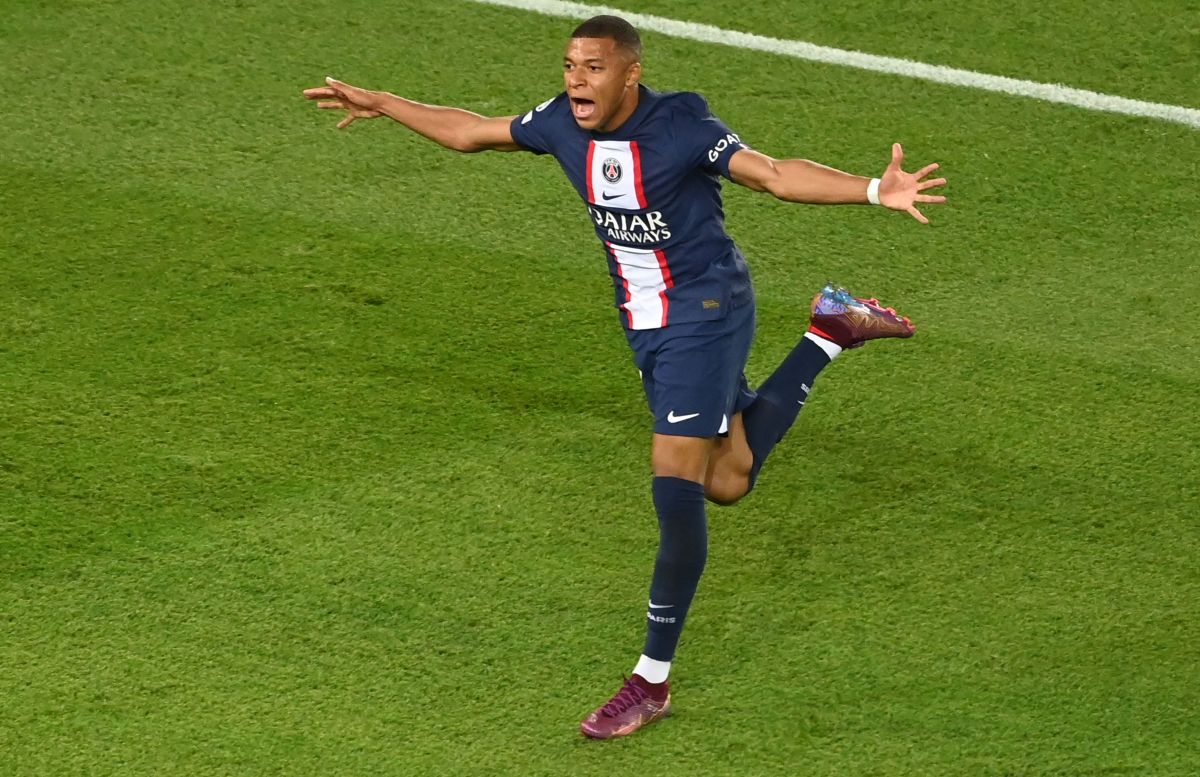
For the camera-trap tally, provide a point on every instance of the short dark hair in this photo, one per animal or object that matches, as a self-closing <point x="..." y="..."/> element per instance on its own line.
<point x="621" y="31"/>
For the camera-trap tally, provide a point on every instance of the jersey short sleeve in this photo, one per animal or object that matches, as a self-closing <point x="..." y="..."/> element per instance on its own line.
<point x="705" y="138"/>
<point x="536" y="130"/>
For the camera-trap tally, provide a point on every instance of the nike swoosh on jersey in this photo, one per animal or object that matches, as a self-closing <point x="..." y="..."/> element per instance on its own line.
<point x="654" y="606"/>
<point x="606" y="196"/>
<point x="674" y="419"/>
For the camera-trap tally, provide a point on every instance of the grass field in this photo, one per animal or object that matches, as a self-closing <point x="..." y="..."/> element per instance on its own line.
<point x="303" y="471"/>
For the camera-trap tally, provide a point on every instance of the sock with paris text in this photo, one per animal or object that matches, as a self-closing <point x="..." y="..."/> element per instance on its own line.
<point x="781" y="396"/>
<point x="682" y="553"/>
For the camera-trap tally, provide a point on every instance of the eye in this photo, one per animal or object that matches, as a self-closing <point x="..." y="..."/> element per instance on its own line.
<point x="595" y="68"/>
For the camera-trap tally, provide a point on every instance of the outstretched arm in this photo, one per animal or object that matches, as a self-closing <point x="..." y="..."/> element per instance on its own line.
<point x="453" y="128"/>
<point x="799" y="180"/>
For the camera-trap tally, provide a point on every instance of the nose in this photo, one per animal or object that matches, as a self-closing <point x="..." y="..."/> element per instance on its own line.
<point x="575" y="78"/>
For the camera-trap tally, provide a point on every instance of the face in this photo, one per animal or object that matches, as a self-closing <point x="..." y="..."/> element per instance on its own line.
<point x="601" y="82"/>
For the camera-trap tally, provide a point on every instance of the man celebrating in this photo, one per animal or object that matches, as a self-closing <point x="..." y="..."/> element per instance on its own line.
<point x="646" y="165"/>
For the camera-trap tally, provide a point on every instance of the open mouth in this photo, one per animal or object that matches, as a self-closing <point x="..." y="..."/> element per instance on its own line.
<point x="582" y="107"/>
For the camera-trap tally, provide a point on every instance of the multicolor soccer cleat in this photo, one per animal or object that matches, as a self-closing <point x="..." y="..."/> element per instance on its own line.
<point x="850" y="321"/>
<point x="634" y="706"/>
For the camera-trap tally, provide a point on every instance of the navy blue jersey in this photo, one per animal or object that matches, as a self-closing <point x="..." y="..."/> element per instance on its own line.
<point x="652" y="190"/>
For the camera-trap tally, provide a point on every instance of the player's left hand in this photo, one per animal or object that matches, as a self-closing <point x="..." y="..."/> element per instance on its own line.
<point x="899" y="190"/>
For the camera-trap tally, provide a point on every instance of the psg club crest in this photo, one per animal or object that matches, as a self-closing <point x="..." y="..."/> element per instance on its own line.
<point x="612" y="170"/>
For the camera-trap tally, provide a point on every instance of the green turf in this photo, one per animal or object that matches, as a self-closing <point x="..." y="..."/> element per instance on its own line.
<point x="1146" y="53"/>
<point x="298" y="476"/>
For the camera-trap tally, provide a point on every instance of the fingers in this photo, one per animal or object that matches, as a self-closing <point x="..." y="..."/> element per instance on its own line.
<point x="320" y="92"/>
<point x="340" y="88"/>
<point x="332" y="98"/>
<point x="926" y="170"/>
<point x="916" y="214"/>
<point x="923" y="185"/>
<point x="929" y="198"/>
<point x="897" y="156"/>
<point x="333" y="88"/>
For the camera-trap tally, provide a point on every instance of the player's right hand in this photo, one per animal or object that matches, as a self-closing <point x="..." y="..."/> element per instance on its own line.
<point x="358" y="103"/>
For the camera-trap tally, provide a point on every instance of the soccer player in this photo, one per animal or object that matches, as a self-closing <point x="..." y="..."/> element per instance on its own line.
<point x="646" y="164"/>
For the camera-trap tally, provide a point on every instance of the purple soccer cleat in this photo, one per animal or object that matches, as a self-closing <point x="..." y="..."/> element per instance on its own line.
<point x="850" y="321"/>
<point x="637" y="704"/>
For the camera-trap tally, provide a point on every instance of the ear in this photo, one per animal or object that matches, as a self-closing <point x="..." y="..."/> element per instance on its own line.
<point x="633" y="74"/>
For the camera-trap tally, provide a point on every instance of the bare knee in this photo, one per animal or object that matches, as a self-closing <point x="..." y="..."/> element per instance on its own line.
<point x="680" y="457"/>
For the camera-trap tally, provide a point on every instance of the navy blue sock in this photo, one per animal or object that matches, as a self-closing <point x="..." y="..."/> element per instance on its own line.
<point x="780" y="399"/>
<point x="682" y="551"/>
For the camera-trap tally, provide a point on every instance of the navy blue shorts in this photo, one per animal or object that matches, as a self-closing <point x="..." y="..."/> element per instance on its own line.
<point x="694" y="374"/>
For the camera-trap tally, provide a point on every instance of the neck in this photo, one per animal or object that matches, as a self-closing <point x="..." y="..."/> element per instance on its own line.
<point x="629" y="104"/>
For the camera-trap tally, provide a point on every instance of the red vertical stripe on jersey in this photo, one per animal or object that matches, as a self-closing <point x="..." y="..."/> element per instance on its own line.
<point x="662" y="265"/>
<point x="591" y="193"/>
<point x="637" y="173"/>
<point x="624" y="281"/>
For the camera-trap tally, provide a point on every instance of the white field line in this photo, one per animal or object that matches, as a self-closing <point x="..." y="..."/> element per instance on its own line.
<point x="1055" y="93"/>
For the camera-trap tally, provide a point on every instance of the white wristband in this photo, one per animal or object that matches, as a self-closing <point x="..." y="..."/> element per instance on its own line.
<point x="873" y="191"/>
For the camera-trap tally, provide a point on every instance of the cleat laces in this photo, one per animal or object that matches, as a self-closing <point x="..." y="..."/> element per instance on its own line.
<point x="630" y="694"/>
